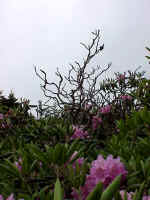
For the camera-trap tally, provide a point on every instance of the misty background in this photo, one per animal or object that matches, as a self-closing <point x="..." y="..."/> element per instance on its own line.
<point x="48" y="33"/>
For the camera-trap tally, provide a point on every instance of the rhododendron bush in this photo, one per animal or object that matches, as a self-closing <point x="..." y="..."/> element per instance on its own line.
<point x="90" y="142"/>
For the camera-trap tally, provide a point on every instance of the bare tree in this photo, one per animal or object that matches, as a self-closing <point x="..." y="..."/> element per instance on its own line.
<point x="148" y="57"/>
<point x="79" y="88"/>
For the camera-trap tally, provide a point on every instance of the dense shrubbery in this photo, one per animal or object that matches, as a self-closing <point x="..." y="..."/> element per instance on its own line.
<point x="89" y="149"/>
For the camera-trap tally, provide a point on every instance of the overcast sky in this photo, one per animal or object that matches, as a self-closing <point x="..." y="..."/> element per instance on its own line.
<point x="48" y="33"/>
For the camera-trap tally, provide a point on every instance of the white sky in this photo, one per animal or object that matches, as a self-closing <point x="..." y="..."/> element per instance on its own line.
<point x="48" y="33"/>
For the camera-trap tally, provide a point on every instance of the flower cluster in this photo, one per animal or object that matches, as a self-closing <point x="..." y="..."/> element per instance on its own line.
<point x="88" y="106"/>
<point x="102" y="170"/>
<point x="19" y="164"/>
<point x="129" y="195"/>
<point x="126" y="97"/>
<point x="105" y="109"/>
<point x="95" y="122"/>
<point x="3" y="120"/>
<point x="79" y="161"/>
<point x="11" y="197"/>
<point x="1" y="116"/>
<point x="79" y="133"/>
<point x="121" y="77"/>
<point x="146" y="198"/>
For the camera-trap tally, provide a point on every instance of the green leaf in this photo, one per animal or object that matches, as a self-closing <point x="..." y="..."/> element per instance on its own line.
<point x="73" y="147"/>
<point x="143" y="167"/>
<point x="50" y="154"/>
<point x="148" y="48"/>
<point x="38" y="153"/>
<point x="58" y="153"/>
<point x="135" y="195"/>
<point x="111" y="189"/>
<point x="148" y="57"/>
<point x="141" y="190"/>
<point x="125" y="197"/>
<point x="118" y="196"/>
<point x="58" y="194"/>
<point x="42" y="192"/>
<point x="96" y="193"/>
<point x="11" y="169"/>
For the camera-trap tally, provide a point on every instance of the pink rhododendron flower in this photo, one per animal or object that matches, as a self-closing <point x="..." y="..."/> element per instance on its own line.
<point x="41" y="164"/>
<point x="79" y="133"/>
<point x="3" y="125"/>
<point x="105" y="109"/>
<point x="146" y="198"/>
<point x="80" y="161"/>
<point x="18" y="164"/>
<point x="1" y="197"/>
<point x="126" y="97"/>
<point x="75" y="194"/>
<point x="102" y="170"/>
<point x="88" y="106"/>
<point x="121" y="77"/>
<point x="1" y="116"/>
<point x="129" y="195"/>
<point x="95" y="122"/>
<point x="11" y="197"/>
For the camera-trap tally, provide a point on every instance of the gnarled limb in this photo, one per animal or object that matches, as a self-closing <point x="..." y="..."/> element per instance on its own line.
<point x="78" y="88"/>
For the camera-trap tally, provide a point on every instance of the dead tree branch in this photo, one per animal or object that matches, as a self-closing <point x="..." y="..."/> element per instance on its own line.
<point x="78" y="88"/>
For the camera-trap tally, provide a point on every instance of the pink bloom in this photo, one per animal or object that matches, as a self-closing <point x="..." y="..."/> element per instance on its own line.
<point x="1" y="116"/>
<point x="75" y="194"/>
<point x="121" y="77"/>
<point x="18" y="164"/>
<point x="126" y="97"/>
<point x="1" y="197"/>
<point x="104" y="171"/>
<point x="95" y="122"/>
<point x="79" y="133"/>
<point x="41" y="164"/>
<point x="129" y="195"/>
<point x="105" y="109"/>
<point x="146" y="198"/>
<point x="3" y="125"/>
<point x="88" y="106"/>
<point x="80" y="161"/>
<point x="88" y="186"/>
<point x="11" y="197"/>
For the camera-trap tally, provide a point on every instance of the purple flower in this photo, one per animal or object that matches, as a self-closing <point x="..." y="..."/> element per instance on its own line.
<point x="126" y="97"/>
<point x="1" y="116"/>
<point x="19" y="164"/>
<point x="1" y="197"/>
<point x="103" y="170"/>
<point x="146" y="198"/>
<point x="95" y="122"/>
<point x="75" y="194"/>
<point x="11" y="197"/>
<point x="80" y="161"/>
<point x="121" y="77"/>
<point x="3" y="125"/>
<point x="41" y="164"/>
<point x="105" y="109"/>
<point x="79" y="133"/>
<point x="88" y="106"/>
<point x="129" y="195"/>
